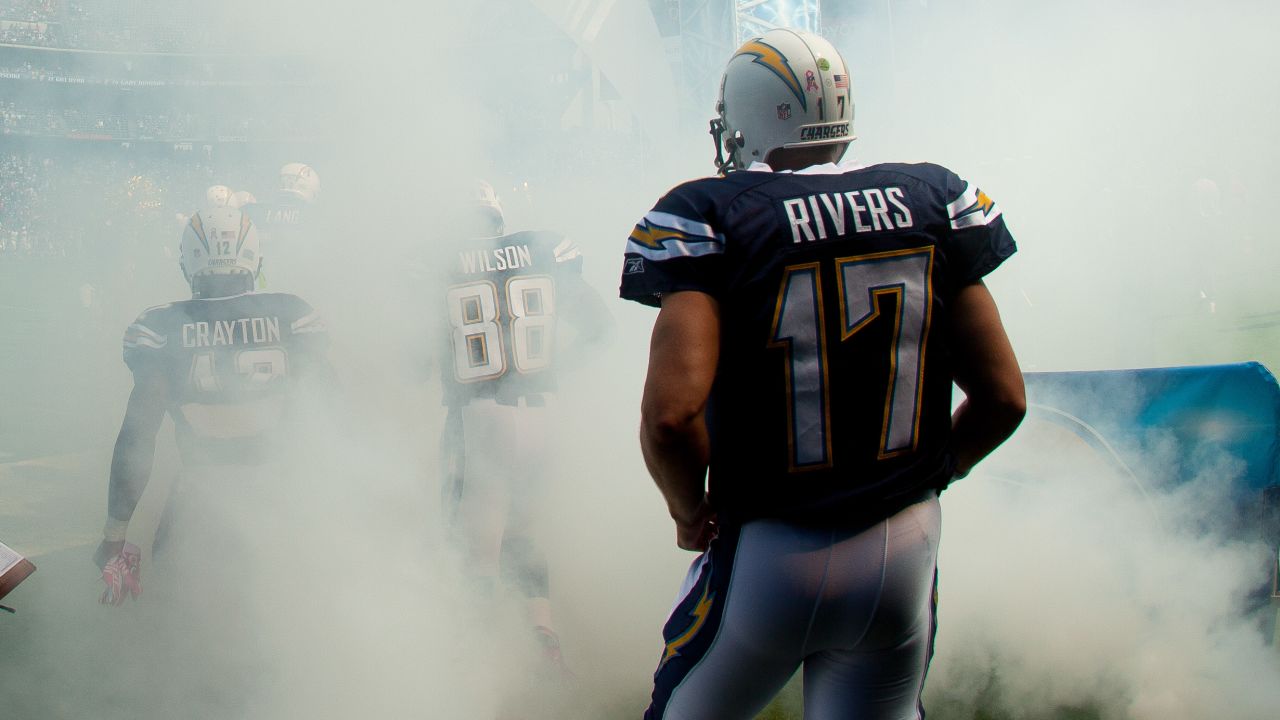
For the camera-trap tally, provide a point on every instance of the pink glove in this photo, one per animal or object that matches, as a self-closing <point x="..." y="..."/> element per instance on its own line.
<point x="122" y="574"/>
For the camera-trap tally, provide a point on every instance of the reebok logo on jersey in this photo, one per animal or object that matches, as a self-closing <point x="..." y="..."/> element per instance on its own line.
<point x="834" y="215"/>
<point x="634" y="266"/>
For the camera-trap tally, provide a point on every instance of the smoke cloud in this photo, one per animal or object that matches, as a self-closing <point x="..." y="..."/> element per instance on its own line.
<point x="1129" y="147"/>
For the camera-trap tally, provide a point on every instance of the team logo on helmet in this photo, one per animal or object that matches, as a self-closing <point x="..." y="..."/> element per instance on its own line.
<point x="197" y="226"/>
<point x="768" y="56"/>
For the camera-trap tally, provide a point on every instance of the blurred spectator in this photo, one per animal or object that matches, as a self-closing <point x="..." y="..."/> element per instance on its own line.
<point x="29" y="10"/>
<point x="69" y="203"/>
<point x="172" y="125"/>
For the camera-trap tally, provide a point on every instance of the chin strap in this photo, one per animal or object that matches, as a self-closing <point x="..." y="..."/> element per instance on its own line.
<point x="717" y="136"/>
<point x="725" y="165"/>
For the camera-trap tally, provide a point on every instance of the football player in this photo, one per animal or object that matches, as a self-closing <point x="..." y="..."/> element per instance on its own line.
<point x="298" y="191"/>
<point x="225" y="365"/>
<point x="797" y="411"/>
<point x="505" y="295"/>
<point x="286" y="221"/>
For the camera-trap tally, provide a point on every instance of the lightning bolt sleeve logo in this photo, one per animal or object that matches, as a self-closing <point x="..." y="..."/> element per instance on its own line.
<point x="653" y="237"/>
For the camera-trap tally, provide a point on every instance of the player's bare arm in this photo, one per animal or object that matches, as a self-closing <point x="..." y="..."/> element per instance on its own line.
<point x="683" y="355"/>
<point x="988" y="373"/>
<point x="131" y="460"/>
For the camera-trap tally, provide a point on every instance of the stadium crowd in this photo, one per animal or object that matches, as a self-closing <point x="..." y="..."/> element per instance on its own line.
<point x="175" y="125"/>
<point x="24" y="184"/>
<point x="118" y="25"/>
<point x="28" y="10"/>
<point x="55" y="204"/>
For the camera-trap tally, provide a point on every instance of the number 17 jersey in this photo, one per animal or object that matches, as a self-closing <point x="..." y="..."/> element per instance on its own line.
<point x="833" y="394"/>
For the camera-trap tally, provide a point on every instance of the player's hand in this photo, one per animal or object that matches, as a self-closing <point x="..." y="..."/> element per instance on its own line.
<point x="121" y="573"/>
<point x="698" y="530"/>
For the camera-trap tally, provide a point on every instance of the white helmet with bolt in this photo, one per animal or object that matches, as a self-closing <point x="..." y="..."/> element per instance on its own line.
<point x="785" y="89"/>
<point x="219" y="241"/>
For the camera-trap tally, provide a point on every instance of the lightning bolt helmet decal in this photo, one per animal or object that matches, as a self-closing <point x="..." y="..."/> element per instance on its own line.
<point x="769" y="57"/>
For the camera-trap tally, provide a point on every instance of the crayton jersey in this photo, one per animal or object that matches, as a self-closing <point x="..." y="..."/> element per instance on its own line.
<point x="230" y="364"/>
<point x="500" y="309"/>
<point x="833" y="393"/>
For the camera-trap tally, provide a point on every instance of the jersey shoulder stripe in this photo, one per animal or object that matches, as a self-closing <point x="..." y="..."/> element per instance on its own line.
<point x="138" y="335"/>
<point x="685" y="222"/>
<point x="663" y="236"/>
<point x="971" y="209"/>
<point x="147" y="331"/>
<point x="567" y="250"/>
<point x="308" y="324"/>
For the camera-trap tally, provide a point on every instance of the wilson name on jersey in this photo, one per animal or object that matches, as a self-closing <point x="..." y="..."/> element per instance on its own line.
<point x="230" y="365"/>
<point x="833" y="393"/>
<point x="501" y="314"/>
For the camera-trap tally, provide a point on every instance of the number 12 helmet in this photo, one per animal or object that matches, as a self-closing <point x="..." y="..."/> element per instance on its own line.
<point x="785" y="89"/>
<point x="219" y="252"/>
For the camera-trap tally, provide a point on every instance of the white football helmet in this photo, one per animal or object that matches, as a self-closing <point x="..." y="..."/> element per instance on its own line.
<point x="300" y="180"/>
<point x="217" y="196"/>
<point x="486" y="202"/>
<point x="241" y="198"/>
<point x="785" y="89"/>
<point x="219" y="241"/>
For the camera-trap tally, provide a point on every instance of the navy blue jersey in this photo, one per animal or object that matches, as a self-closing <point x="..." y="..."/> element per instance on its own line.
<point x="230" y="365"/>
<point x="288" y="230"/>
<point x="833" y="393"/>
<point x="287" y="215"/>
<point x="500" y="309"/>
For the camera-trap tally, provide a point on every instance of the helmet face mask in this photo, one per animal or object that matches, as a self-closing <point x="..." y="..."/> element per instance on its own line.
<point x="786" y="89"/>
<point x="219" y="252"/>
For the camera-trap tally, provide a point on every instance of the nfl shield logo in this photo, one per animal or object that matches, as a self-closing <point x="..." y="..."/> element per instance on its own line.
<point x="784" y="111"/>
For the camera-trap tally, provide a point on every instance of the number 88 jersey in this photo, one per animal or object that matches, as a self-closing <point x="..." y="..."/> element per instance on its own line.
<point x="833" y="393"/>
<point x="501" y="311"/>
